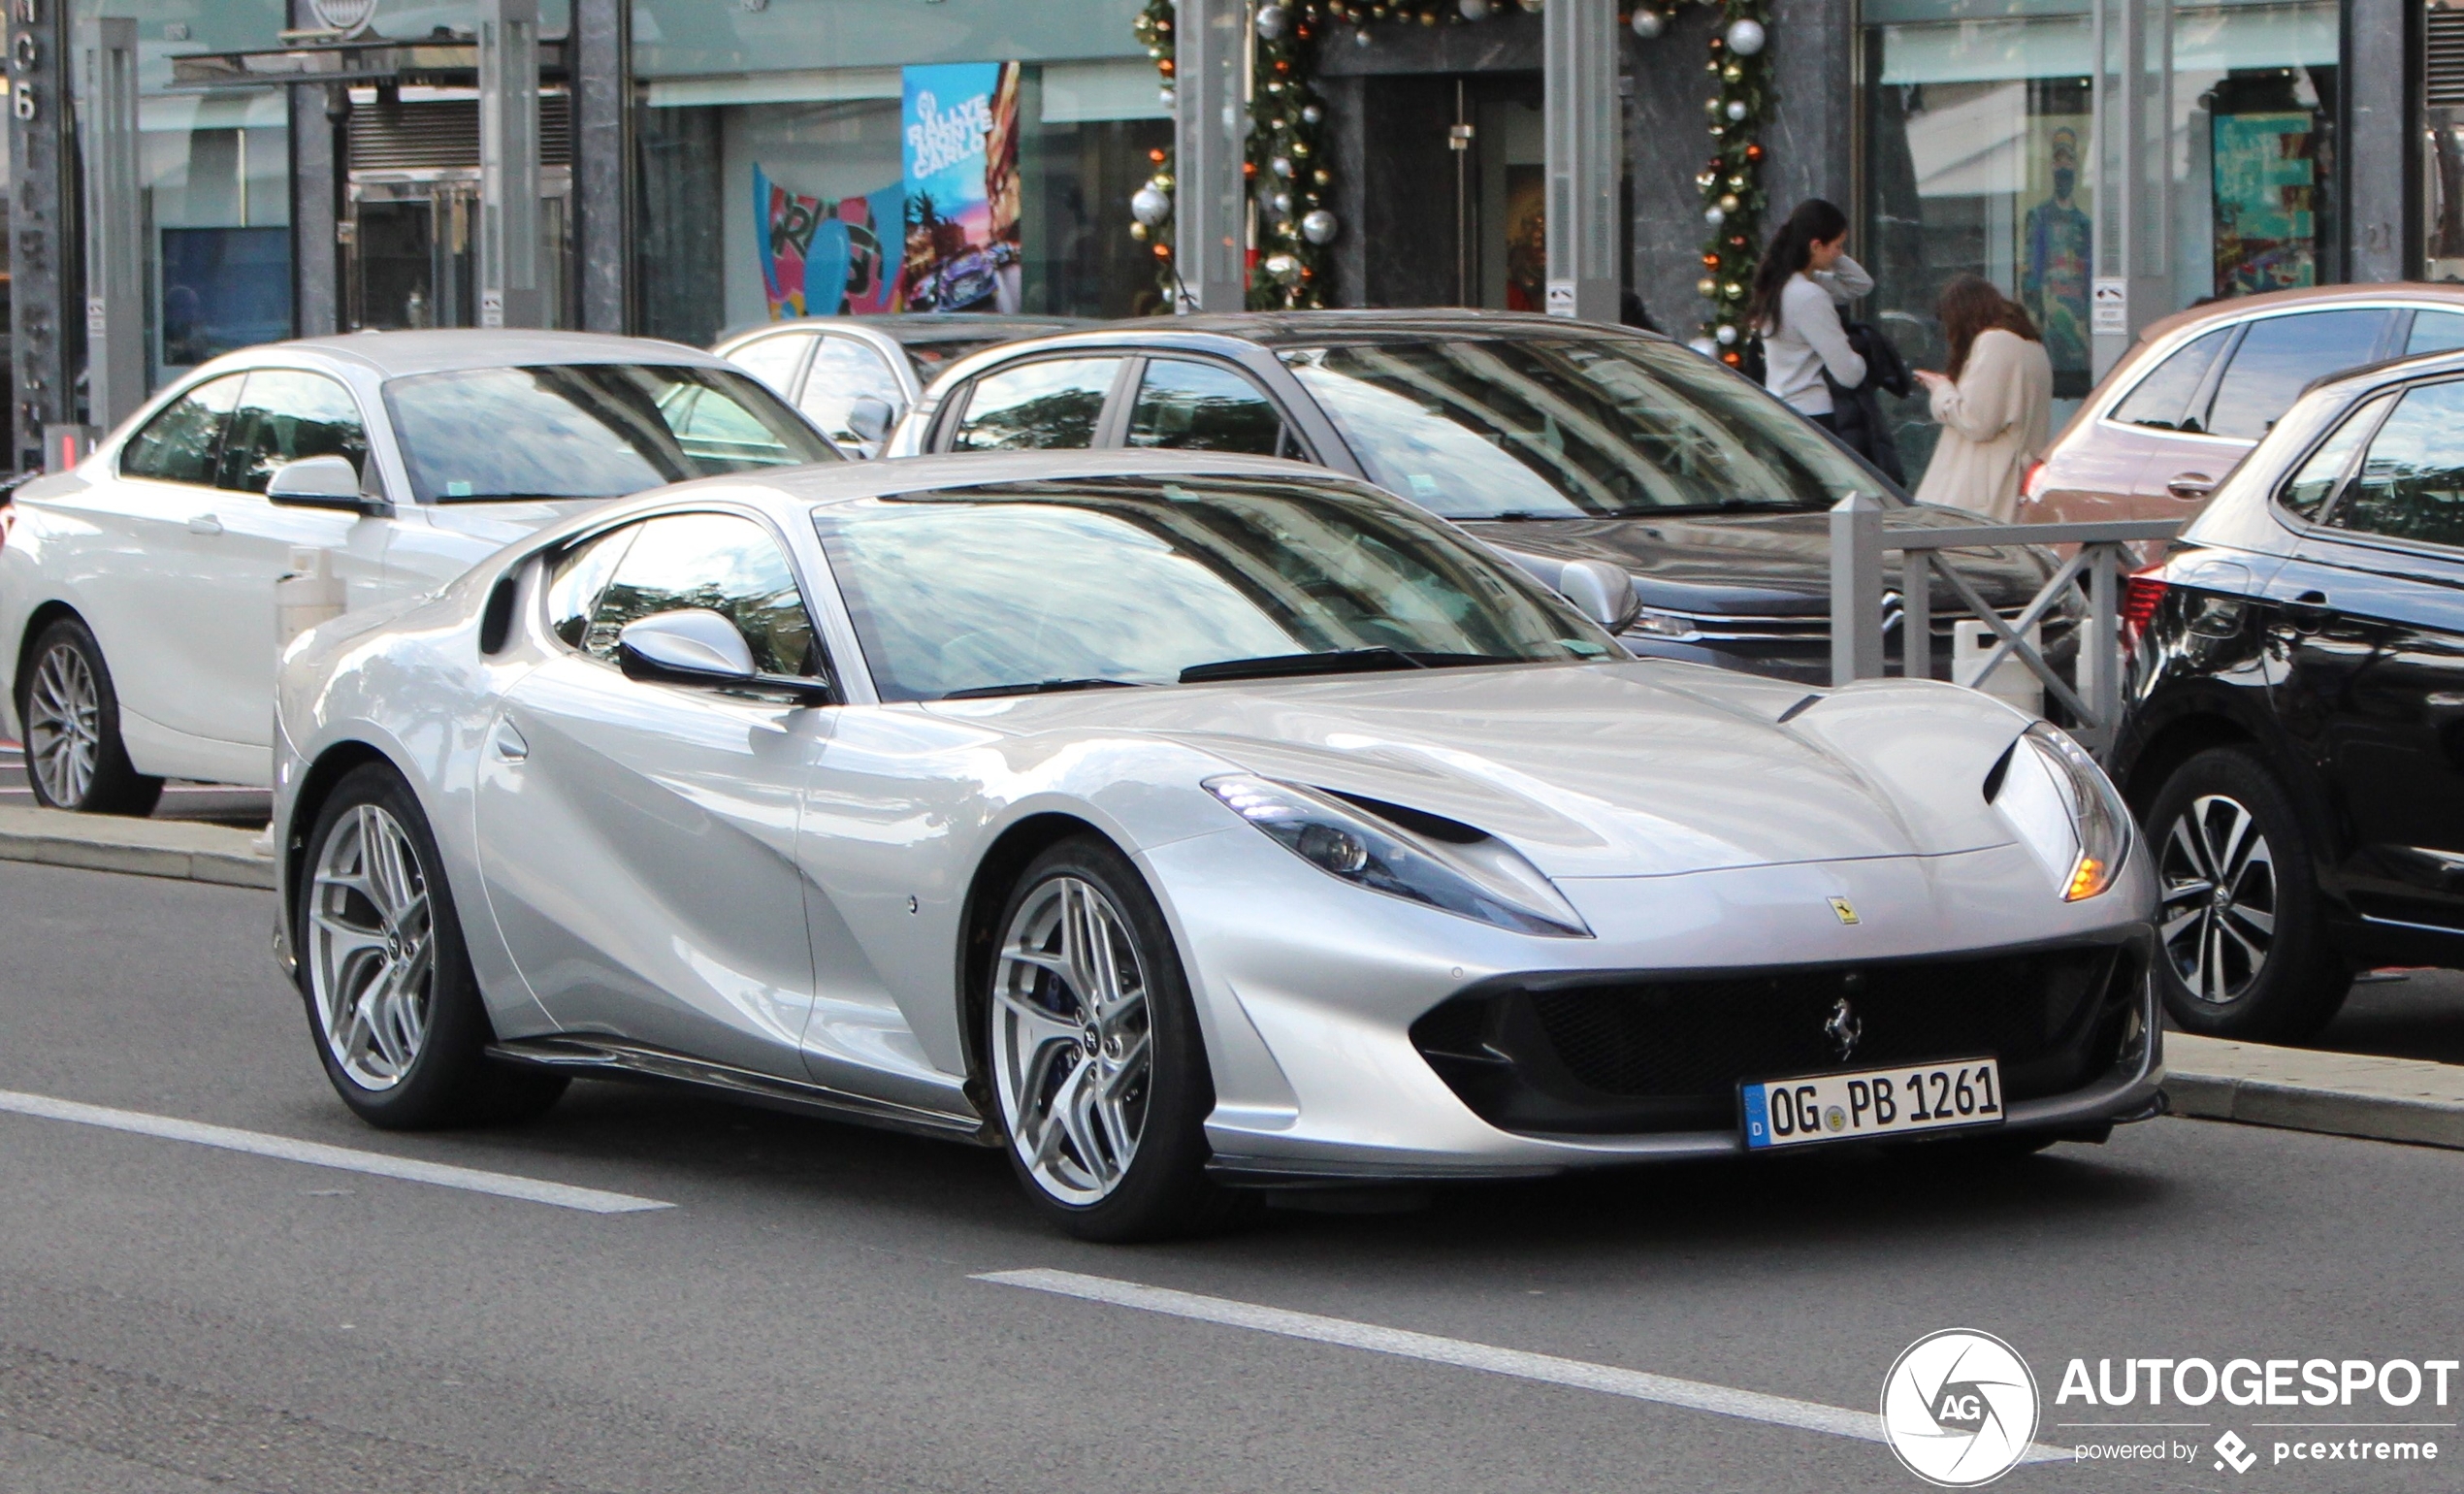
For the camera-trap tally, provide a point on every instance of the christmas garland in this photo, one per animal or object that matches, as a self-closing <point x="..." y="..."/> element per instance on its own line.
<point x="1287" y="178"/>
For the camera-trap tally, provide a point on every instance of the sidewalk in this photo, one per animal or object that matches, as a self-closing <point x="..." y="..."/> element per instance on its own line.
<point x="147" y="848"/>
<point x="2336" y="1093"/>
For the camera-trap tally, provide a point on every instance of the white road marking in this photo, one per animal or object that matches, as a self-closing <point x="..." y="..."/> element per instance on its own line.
<point x="469" y="1180"/>
<point x="1548" y="1369"/>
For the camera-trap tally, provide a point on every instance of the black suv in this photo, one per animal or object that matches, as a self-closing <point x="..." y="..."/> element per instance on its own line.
<point x="2295" y="747"/>
<point x="1552" y="441"/>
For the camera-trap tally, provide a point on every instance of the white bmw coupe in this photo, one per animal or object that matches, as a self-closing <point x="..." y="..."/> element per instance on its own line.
<point x="1181" y="824"/>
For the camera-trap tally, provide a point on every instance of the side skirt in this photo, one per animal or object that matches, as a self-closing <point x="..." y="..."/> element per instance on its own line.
<point x="611" y="1058"/>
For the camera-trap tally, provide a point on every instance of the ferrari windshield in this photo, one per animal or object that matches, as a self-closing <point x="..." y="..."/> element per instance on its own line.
<point x="1532" y="427"/>
<point x="588" y="430"/>
<point x="1038" y="586"/>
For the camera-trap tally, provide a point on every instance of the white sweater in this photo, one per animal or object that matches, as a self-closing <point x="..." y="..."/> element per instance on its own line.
<point x="1809" y="337"/>
<point x="1995" y="421"/>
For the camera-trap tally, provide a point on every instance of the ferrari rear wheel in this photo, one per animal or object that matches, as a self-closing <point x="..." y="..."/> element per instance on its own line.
<point x="397" y="1012"/>
<point x="74" y="756"/>
<point x="1098" y="1066"/>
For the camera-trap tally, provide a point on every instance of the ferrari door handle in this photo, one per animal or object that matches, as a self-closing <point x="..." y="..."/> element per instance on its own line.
<point x="508" y="743"/>
<point x="205" y="524"/>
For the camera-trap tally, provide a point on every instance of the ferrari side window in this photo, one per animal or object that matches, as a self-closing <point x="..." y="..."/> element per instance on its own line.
<point x="719" y="562"/>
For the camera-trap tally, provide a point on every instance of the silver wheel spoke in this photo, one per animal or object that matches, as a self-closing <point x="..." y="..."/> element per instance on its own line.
<point x="372" y="946"/>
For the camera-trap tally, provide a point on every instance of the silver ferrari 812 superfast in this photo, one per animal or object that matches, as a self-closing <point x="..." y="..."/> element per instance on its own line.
<point x="1185" y="825"/>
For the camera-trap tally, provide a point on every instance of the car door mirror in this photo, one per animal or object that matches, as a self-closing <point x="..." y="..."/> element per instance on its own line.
<point x="321" y="482"/>
<point x="690" y="646"/>
<point x="871" y="417"/>
<point x="1600" y="590"/>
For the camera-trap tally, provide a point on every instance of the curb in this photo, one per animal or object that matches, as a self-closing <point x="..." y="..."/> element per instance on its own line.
<point x="147" y="848"/>
<point x="2332" y="1094"/>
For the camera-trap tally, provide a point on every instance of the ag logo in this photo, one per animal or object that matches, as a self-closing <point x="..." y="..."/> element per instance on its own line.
<point x="1959" y="1407"/>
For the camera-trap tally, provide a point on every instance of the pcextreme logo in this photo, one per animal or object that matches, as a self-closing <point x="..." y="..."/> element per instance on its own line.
<point x="1958" y="1408"/>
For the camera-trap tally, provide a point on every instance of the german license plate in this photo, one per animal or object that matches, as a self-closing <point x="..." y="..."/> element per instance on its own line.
<point x="1877" y="1102"/>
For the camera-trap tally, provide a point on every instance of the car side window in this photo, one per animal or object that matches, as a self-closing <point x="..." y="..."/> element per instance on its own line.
<point x="181" y="442"/>
<point x="2280" y="354"/>
<point x="843" y="372"/>
<point x="772" y="359"/>
<point x="579" y="578"/>
<point x="1048" y="405"/>
<point x="2163" y="400"/>
<point x="2411" y="486"/>
<point x="285" y="414"/>
<point x="728" y="564"/>
<point x="2435" y="332"/>
<point x="1204" y="407"/>
<point x="2314" y="486"/>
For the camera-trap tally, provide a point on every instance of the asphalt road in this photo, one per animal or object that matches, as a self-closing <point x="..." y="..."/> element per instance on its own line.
<point x="808" y="1316"/>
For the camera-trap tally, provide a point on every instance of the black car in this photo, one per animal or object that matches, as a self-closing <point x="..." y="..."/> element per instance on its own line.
<point x="2295" y="746"/>
<point x="1553" y="440"/>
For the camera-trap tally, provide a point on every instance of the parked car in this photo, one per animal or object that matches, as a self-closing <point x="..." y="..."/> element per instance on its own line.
<point x="2296" y="747"/>
<point x="854" y="375"/>
<point x="2200" y="388"/>
<point x="1177" y="821"/>
<point x="137" y="590"/>
<point x="1549" y="439"/>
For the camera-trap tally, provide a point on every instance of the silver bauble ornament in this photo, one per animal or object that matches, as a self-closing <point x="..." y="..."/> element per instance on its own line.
<point x="1281" y="267"/>
<point x="1360" y="36"/>
<point x="1169" y="98"/>
<point x="1648" y="24"/>
<point x="1746" y="37"/>
<point x="1735" y="109"/>
<point x="1310" y="114"/>
<point x="1282" y="202"/>
<point x="1726" y="335"/>
<point x="1319" y="226"/>
<point x="1473" y="9"/>
<point x="1714" y="216"/>
<point x="1281" y="166"/>
<point x="1150" y="206"/>
<point x="1273" y="21"/>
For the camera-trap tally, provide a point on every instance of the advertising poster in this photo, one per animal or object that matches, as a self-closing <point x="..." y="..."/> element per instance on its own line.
<point x="2265" y="237"/>
<point x="958" y="138"/>
<point x="825" y="258"/>
<point x="2058" y="247"/>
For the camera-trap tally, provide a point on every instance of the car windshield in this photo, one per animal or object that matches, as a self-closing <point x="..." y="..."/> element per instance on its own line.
<point x="1538" y="427"/>
<point x="588" y="430"/>
<point x="1037" y="586"/>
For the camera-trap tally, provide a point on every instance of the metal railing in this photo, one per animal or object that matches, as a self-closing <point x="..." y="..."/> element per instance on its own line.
<point x="1859" y="540"/>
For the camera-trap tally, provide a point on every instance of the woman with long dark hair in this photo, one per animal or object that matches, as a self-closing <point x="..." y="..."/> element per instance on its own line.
<point x="1995" y="401"/>
<point x="1803" y="279"/>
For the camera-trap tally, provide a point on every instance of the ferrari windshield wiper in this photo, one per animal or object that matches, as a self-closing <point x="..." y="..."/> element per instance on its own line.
<point x="1342" y="660"/>
<point x="1041" y="687"/>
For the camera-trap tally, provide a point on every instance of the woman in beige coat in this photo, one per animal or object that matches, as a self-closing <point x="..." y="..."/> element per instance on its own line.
<point x="1995" y="403"/>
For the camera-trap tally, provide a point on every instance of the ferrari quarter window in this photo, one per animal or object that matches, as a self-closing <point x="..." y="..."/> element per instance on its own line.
<point x="2411" y="486"/>
<point x="588" y="430"/>
<point x="1050" y="404"/>
<point x="1202" y="406"/>
<point x="183" y="440"/>
<point x="1476" y="428"/>
<point x="285" y="414"/>
<point x="715" y="560"/>
<point x="1044" y="586"/>
<point x="578" y="580"/>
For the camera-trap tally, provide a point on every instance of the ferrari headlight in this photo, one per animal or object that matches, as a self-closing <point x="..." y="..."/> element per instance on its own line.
<point x="2065" y="808"/>
<point x="1434" y="862"/>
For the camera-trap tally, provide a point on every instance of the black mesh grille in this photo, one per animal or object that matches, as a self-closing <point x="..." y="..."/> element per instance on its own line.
<point x="1643" y="1054"/>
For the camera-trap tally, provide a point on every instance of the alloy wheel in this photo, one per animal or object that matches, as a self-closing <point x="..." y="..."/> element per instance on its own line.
<point x="2219" y="878"/>
<point x="64" y="724"/>
<point x="1073" y="1052"/>
<point x="371" y="948"/>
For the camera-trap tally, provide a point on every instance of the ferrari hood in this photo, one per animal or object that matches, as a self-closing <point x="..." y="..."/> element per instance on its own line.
<point x="1640" y="768"/>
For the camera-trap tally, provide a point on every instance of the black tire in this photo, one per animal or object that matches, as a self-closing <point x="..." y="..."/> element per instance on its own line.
<point x="1163" y="1193"/>
<point x="448" y="1079"/>
<point x="2223" y="819"/>
<point x="65" y="654"/>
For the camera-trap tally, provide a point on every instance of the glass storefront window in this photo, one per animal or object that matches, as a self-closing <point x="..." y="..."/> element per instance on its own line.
<point x="1979" y="148"/>
<point x="217" y="179"/>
